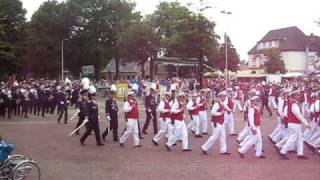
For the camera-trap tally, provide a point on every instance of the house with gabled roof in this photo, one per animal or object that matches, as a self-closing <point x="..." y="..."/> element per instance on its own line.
<point x="297" y="53"/>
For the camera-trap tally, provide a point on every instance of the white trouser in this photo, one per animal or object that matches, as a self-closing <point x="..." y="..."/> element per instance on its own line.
<point x="256" y="140"/>
<point x="194" y="124"/>
<point x="305" y="110"/>
<point x="218" y="132"/>
<point x="131" y="127"/>
<point x="246" y="139"/>
<point x="280" y="133"/>
<point x="203" y="121"/>
<point x="316" y="143"/>
<point x="315" y="136"/>
<point x="294" y="138"/>
<point x="272" y="102"/>
<point x="244" y="133"/>
<point x="284" y="139"/>
<point x="165" y="127"/>
<point x="180" y="130"/>
<point x="309" y="132"/>
<point x="238" y="104"/>
<point x="275" y="131"/>
<point x="229" y="122"/>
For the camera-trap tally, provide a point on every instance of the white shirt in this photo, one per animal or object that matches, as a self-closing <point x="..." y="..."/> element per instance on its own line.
<point x="251" y="118"/>
<point x="280" y="106"/>
<point x="127" y="107"/>
<point x="161" y="107"/>
<point x="190" y="106"/>
<point x="296" y="111"/>
<point x="175" y="109"/>
<point x="215" y="108"/>
<point x="317" y="106"/>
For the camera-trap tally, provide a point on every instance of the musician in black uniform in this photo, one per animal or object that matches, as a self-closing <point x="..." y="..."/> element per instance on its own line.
<point x="111" y="110"/>
<point x="150" y="104"/>
<point x="93" y="123"/>
<point x="62" y="104"/>
<point x="3" y="98"/>
<point x="82" y="105"/>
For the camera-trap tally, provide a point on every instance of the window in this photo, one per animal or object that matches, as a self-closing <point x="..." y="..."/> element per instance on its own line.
<point x="269" y="44"/>
<point x="254" y="62"/>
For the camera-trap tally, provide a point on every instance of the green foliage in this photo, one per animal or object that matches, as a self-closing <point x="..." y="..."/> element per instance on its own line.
<point x="12" y="23"/>
<point x="274" y="61"/>
<point x="219" y="61"/>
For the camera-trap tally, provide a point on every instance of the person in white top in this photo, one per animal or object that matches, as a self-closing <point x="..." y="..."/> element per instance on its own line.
<point x="180" y="128"/>
<point x="255" y="130"/>
<point x="165" y="119"/>
<point x="202" y="104"/>
<point x="295" y="120"/>
<point x="278" y="132"/>
<point x="218" y="130"/>
<point x="229" y="118"/>
<point x="238" y="97"/>
<point x="193" y="109"/>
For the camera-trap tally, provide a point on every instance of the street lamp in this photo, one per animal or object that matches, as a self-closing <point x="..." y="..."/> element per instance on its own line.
<point x="226" y="13"/>
<point x="62" y="60"/>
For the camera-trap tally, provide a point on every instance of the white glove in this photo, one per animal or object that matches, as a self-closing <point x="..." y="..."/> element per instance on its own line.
<point x="108" y="118"/>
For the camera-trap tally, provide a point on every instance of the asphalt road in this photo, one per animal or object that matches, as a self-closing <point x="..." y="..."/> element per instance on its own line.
<point x="63" y="158"/>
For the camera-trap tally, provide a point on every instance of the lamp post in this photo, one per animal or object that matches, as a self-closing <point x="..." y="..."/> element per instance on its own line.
<point x="226" y="13"/>
<point x="62" y="59"/>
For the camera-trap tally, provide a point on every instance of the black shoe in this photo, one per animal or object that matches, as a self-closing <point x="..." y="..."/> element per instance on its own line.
<point x="203" y="151"/>
<point x="174" y="144"/>
<point x="303" y="157"/>
<point x="198" y="136"/>
<point x="155" y="143"/>
<point x="140" y="137"/>
<point x="284" y="157"/>
<point x="271" y="140"/>
<point x="204" y="134"/>
<point x="121" y="145"/>
<point x="65" y="122"/>
<point x="100" y="144"/>
<point x="82" y="143"/>
<point x="233" y="134"/>
<point x="138" y="145"/>
<point x="311" y="148"/>
<point x="262" y="157"/>
<point x="193" y="132"/>
<point x="144" y="132"/>
<point x="103" y="136"/>
<point x="77" y="133"/>
<point x="168" y="148"/>
<point x="241" y="155"/>
<point x="225" y="153"/>
<point x="186" y="150"/>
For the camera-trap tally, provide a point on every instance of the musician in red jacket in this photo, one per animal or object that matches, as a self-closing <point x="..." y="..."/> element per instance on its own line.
<point x="255" y="137"/>
<point x="217" y="112"/>
<point x="180" y="128"/>
<point x="229" y="118"/>
<point x="130" y="107"/>
<point x="295" y="121"/>
<point x="165" y="119"/>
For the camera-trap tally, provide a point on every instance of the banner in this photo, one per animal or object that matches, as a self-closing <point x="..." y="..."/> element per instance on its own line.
<point x="122" y="90"/>
<point x="162" y="90"/>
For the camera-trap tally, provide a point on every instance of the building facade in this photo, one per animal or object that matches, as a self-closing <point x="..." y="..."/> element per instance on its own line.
<point x="297" y="53"/>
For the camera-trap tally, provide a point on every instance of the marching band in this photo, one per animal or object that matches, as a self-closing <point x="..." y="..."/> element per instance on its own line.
<point x="296" y="106"/>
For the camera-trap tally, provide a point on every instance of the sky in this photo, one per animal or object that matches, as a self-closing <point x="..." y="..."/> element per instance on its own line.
<point x="250" y="19"/>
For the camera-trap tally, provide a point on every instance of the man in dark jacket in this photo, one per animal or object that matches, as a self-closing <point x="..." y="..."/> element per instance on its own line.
<point x="111" y="110"/>
<point x="150" y="104"/>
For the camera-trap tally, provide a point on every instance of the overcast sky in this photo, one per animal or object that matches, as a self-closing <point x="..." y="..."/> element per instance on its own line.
<point x="250" y="19"/>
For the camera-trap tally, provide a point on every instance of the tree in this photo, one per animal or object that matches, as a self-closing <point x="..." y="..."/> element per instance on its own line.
<point x="137" y="43"/>
<point x="219" y="61"/>
<point x="274" y="63"/>
<point x="12" y="21"/>
<point x="45" y="32"/>
<point x="182" y="33"/>
<point x="95" y="30"/>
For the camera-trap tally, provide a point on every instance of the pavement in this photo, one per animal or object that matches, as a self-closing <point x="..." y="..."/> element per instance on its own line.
<point x="61" y="157"/>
